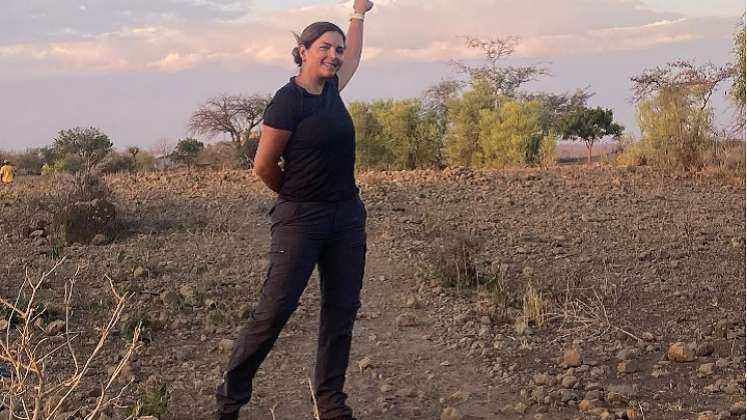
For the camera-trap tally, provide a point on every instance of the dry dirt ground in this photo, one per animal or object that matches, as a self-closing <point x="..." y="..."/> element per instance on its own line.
<point x="615" y="264"/>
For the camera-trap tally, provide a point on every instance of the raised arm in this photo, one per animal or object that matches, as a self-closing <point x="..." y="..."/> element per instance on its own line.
<point x="354" y="44"/>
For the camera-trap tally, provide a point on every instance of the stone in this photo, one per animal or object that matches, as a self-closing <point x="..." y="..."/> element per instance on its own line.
<point x="169" y="297"/>
<point x="364" y="363"/>
<point x="451" y="413"/>
<point x="681" y="353"/>
<point x="705" y="369"/>
<point x="99" y="239"/>
<point x="406" y="320"/>
<point x="225" y="345"/>
<point x="585" y="405"/>
<point x="626" y="354"/>
<point x="704" y="349"/>
<point x="568" y="381"/>
<point x="56" y="327"/>
<point x="620" y="393"/>
<point x="544" y="379"/>
<point x="139" y="272"/>
<point x="737" y="409"/>
<point x="187" y="292"/>
<point x="567" y="395"/>
<point x="4" y="324"/>
<point x="572" y="357"/>
<point x="708" y="415"/>
<point x="459" y="396"/>
<point x="406" y="393"/>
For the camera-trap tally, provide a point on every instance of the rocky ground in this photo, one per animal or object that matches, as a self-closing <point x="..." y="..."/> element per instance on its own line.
<point x="598" y="293"/>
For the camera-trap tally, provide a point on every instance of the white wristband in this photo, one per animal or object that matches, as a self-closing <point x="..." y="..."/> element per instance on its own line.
<point x="359" y="16"/>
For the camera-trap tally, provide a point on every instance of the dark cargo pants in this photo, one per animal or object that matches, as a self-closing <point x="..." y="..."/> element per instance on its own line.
<point x="304" y="234"/>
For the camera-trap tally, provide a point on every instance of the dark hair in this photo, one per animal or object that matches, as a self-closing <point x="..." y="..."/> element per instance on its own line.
<point x="311" y="34"/>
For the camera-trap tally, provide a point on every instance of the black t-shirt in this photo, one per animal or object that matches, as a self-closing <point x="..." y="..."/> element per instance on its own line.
<point x="320" y="154"/>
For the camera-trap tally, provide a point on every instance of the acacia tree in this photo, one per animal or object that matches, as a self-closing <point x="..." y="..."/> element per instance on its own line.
<point x="235" y="115"/>
<point x="589" y="125"/>
<point x="186" y="151"/>
<point x="681" y="92"/>
<point x="504" y="80"/>
<point x="87" y="146"/>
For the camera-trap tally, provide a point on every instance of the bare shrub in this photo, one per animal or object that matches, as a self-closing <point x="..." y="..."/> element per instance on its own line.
<point x="32" y="388"/>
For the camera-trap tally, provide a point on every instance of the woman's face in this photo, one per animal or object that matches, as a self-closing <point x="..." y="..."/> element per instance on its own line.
<point x="324" y="56"/>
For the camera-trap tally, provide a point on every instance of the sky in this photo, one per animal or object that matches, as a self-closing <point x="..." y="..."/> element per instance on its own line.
<point x="137" y="69"/>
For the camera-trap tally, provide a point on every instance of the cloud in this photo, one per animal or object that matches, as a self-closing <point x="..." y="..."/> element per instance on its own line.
<point x="397" y="31"/>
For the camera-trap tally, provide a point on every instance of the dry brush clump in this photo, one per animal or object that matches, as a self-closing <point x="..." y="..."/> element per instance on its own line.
<point x="45" y="370"/>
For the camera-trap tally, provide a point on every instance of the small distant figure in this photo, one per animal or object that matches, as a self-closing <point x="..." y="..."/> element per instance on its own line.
<point x="7" y="173"/>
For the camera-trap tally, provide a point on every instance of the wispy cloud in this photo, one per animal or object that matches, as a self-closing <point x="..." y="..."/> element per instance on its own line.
<point x="398" y="31"/>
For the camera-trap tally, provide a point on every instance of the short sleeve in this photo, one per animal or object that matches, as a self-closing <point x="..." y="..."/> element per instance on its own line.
<point x="282" y="111"/>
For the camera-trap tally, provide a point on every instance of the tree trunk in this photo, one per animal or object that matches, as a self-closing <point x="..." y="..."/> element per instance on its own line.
<point x="589" y="144"/>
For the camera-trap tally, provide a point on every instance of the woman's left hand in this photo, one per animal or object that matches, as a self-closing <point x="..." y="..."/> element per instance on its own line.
<point x="362" y="6"/>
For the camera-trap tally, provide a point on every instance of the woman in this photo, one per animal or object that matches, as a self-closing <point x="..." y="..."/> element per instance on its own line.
<point x="318" y="218"/>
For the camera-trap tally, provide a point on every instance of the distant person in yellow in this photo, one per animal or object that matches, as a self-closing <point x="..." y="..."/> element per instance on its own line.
<point x="7" y="172"/>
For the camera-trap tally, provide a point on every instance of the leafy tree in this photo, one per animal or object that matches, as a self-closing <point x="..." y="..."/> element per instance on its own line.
<point x="81" y="149"/>
<point x="461" y="142"/>
<point x="674" y="111"/>
<point x="589" y="125"/>
<point x="672" y="127"/>
<point x="511" y="135"/>
<point x="186" y="151"/>
<point x="372" y="151"/>
<point x="410" y="133"/>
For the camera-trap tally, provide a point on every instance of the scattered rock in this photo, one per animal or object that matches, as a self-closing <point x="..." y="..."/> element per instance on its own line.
<point x="568" y="381"/>
<point x="704" y="349"/>
<point x="620" y="393"/>
<point x="572" y="357"/>
<point x="412" y="302"/>
<point x="681" y="353"/>
<point x="364" y="363"/>
<point x="225" y="345"/>
<point x="100" y="239"/>
<point x="406" y="393"/>
<point x="139" y="272"/>
<point x="737" y="409"/>
<point x="187" y="292"/>
<point x="4" y="325"/>
<point x="705" y="369"/>
<point x="626" y="354"/>
<point x="585" y="405"/>
<point x="459" y="396"/>
<point x="406" y="320"/>
<point x="708" y="415"/>
<point x="544" y="379"/>
<point x="56" y="327"/>
<point x="169" y="297"/>
<point x="451" y="413"/>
